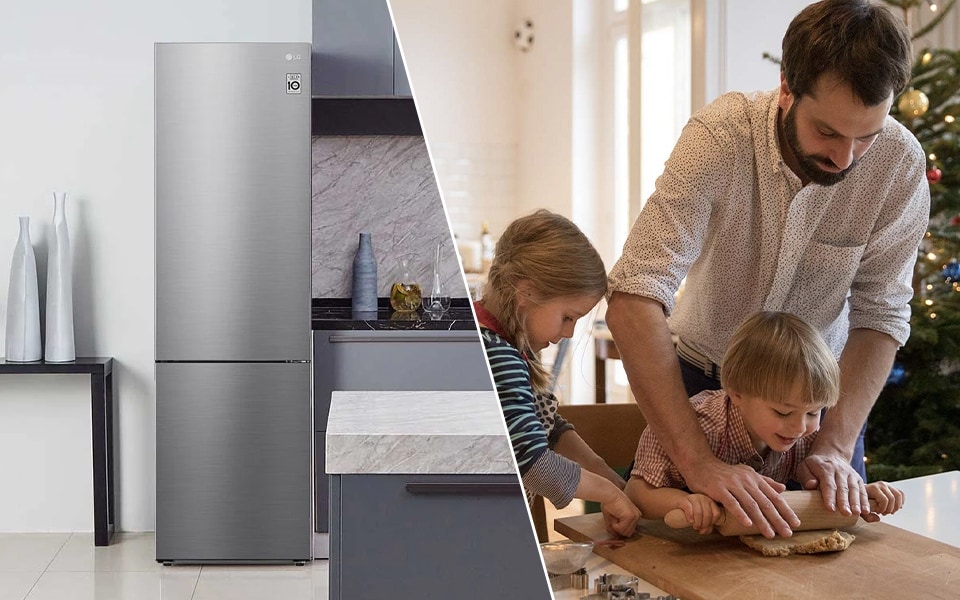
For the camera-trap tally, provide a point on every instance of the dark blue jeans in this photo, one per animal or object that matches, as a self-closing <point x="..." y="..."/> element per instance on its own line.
<point x="696" y="381"/>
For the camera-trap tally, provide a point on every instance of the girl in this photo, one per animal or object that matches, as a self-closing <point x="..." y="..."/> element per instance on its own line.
<point x="545" y="275"/>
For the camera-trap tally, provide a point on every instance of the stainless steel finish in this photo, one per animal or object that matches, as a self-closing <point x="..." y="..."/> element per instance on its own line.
<point x="233" y="269"/>
<point x="232" y="202"/>
<point x="233" y="462"/>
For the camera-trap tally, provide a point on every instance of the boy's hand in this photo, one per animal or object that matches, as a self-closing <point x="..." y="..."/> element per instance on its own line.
<point x="886" y="500"/>
<point x="701" y="511"/>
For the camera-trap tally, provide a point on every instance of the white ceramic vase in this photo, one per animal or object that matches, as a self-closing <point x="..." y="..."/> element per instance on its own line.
<point x="59" y="339"/>
<point x="23" y="301"/>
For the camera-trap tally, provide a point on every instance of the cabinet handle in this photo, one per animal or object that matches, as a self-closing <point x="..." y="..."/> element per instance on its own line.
<point x="465" y="488"/>
<point x="468" y="337"/>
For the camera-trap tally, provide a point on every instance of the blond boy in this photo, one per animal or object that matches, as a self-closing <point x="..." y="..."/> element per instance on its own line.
<point x="777" y="376"/>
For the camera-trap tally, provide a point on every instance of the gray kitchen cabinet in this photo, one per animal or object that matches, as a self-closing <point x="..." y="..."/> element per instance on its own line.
<point x="432" y="536"/>
<point x="408" y="360"/>
<point x="354" y="50"/>
<point x="395" y="360"/>
<point x="401" y="84"/>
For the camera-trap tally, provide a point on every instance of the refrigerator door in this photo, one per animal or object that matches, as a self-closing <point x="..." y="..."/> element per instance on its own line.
<point x="233" y="219"/>
<point x="233" y="462"/>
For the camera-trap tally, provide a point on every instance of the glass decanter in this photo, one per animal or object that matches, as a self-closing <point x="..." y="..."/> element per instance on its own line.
<point x="405" y="292"/>
<point x="438" y="302"/>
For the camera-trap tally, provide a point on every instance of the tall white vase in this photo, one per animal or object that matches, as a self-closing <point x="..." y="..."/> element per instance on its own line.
<point x="23" y="301"/>
<point x="60" y="345"/>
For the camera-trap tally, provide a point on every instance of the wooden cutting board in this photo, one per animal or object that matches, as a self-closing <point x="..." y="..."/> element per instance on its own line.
<point x="883" y="562"/>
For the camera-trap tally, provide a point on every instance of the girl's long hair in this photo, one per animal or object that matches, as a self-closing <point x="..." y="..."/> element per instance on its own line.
<point x="551" y="253"/>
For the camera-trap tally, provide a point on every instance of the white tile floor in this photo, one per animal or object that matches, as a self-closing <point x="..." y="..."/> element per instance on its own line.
<point x="63" y="566"/>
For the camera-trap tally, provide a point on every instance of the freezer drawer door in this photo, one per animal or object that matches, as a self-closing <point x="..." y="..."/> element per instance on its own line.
<point x="232" y="202"/>
<point x="233" y="462"/>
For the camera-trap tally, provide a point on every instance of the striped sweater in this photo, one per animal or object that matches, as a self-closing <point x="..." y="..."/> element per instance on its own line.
<point x="544" y="472"/>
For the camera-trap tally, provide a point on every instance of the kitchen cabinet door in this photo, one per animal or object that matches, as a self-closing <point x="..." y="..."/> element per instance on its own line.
<point x="433" y="536"/>
<point x="354" y="50"/>
<point x="233" y="462"/>
<point x="401" y="85"/>
<point x="388" y="360"/>
<point x="395" y="360"/>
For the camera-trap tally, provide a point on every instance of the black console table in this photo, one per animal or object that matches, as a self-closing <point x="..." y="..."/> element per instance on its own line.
<point x="100" y="370"/>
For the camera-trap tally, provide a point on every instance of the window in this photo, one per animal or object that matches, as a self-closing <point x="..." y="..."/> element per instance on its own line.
<point x="663" y="104"/>
<point x="665" y="87"/>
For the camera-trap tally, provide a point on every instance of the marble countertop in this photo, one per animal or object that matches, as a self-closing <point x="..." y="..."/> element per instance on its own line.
<point x="428" y="432"/>
<point x="336" y="314"/>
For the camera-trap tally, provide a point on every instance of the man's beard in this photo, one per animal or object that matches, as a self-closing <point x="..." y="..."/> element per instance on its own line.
<point x="808" y="162"/>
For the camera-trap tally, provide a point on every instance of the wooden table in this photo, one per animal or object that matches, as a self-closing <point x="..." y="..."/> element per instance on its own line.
<point x="883" y="562"/>
<point x="100" y="370"/>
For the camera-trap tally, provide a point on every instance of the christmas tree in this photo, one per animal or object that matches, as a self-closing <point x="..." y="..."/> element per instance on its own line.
<point x="914" y="428"/>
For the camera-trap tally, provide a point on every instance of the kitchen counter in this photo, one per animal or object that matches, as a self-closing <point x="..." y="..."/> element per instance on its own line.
<point x="336" y="314"/>
<point x="929" y="500"/>
<point x="429" y="432"/>
<point x="930" y="506"/>
<point x="423" y="491"/>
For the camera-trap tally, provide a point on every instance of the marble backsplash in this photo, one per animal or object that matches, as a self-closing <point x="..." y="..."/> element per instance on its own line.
<point x="383" y="185"/>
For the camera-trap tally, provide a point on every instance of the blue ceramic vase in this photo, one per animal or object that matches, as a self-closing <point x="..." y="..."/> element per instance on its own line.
<point x="365" y="278"/>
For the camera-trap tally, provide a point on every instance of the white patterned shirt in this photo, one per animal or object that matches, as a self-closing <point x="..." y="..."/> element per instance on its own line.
<point x="730" y="216"/>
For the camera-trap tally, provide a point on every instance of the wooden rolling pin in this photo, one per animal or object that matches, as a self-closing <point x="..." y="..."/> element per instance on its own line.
<point x="807" y="504"/>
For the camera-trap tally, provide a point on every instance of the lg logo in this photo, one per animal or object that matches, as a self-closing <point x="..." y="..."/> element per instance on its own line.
<point x="293" y="83"/>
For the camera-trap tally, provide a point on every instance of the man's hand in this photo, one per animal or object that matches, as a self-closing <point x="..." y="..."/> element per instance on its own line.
<point x="747" y="496"/>
<point x="841" y="487"/>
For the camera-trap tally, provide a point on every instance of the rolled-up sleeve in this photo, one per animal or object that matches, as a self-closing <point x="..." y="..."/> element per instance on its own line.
<point x="671" y="230"/>
<point x="883" y="286"/>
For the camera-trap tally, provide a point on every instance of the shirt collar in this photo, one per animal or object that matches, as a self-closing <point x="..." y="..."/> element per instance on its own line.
<point x="739" y="438"/>
<point x="487" y="319"/>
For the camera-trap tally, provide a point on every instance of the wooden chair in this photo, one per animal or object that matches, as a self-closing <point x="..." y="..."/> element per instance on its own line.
<point x="611" y="430"/>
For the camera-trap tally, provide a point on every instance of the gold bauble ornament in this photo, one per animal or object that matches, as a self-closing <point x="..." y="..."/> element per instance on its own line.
<point x="913" y="103"/>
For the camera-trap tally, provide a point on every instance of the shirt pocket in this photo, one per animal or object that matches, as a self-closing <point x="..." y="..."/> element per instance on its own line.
<point x="822" y="282"/>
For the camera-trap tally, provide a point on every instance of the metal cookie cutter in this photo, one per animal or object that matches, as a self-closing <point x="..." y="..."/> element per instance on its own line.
<point x="578" y="580"/>
<point x="616" y="586"/>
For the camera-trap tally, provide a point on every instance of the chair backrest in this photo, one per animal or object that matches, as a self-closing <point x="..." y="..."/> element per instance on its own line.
<point x="611" y="430"/>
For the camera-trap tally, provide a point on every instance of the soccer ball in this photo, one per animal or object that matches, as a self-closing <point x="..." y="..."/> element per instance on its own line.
<point x="523" y="35"/>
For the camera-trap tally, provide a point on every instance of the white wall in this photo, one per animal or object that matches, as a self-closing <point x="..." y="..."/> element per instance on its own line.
<point x="76" y="114"/>
<point x="545" y="147"/>
<point x="498" y="121"/>
<point x="464" y="71"/>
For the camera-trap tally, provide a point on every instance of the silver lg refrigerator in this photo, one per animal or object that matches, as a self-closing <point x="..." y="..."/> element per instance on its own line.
<point x="233" y="302"/>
